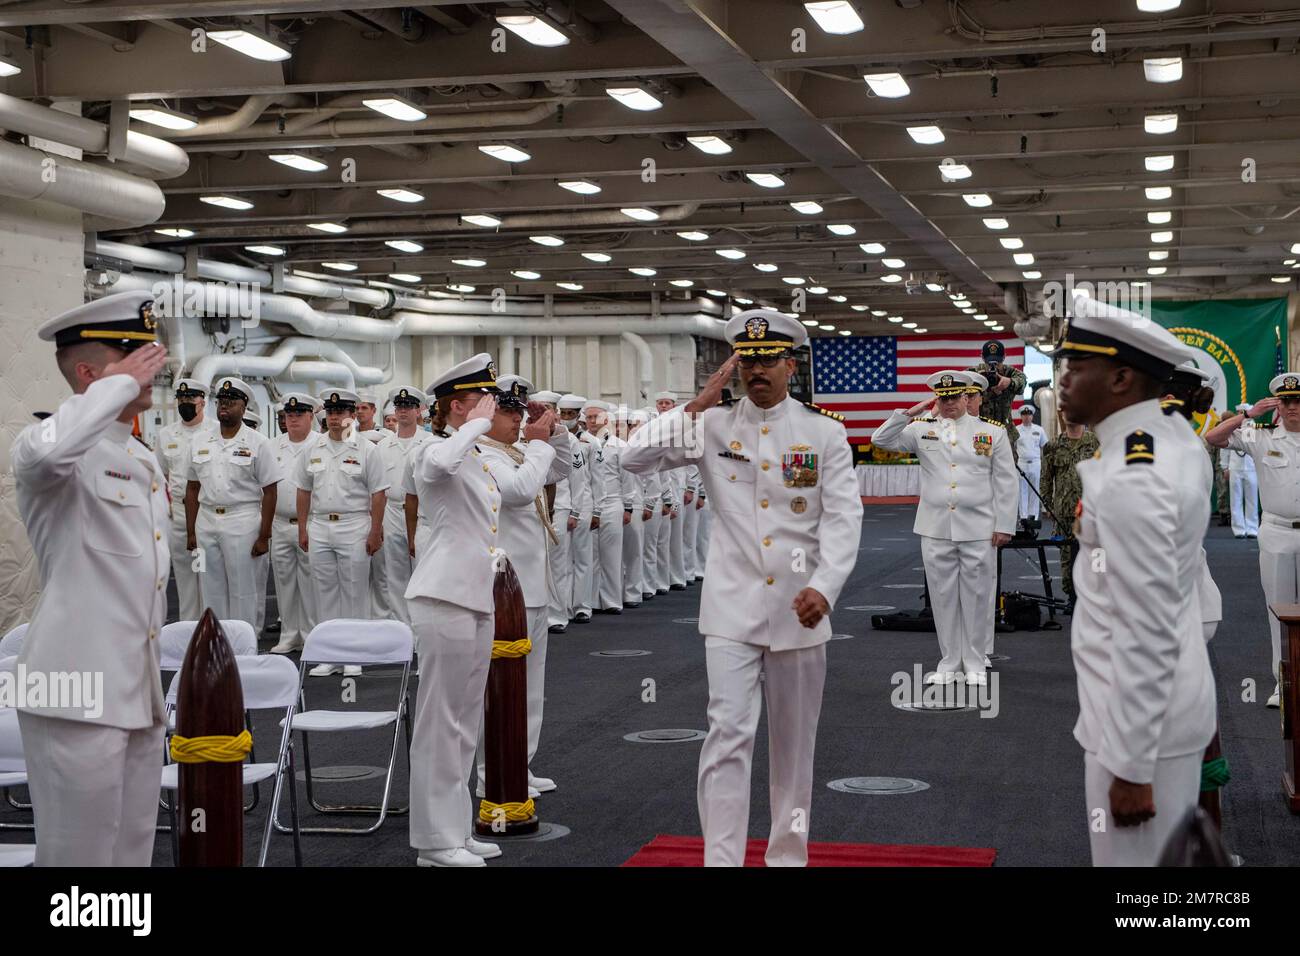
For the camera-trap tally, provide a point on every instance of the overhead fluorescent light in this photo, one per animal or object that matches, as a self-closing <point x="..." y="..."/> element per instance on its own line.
<point x="460" y="287"/>
<point x="909" y="325"/>
<point x="818" y="289"/>
<point x="997" y="223"/>
<point x="643" y="271"/>
<point x="483" y="219"/>
<point x="640" y="213"/>
<point x="835" y="16"/>
<point x="333" y="228"/>
<point x="765" y="266"/>
<point x="895" y="319"/>
<point x="744" y="301"/>
<point x="546" y="240"/>
<point x="472" y="263"/>
<point x="1295" y="249"/>
<point x="893" y="263"/>
<point x="978" y="200"/>
<point x="810" y="322"/>
<point x="1158" y="255"/>
<point x="583" y="187"/>
<point x="401" y="195"/>
<point x="8" y="67"/>
<point x="403" y="277"/>
<point x="970" y="310"/>
<point x="153" y="115"/>
<point x="858" y="308"/>
<point x="990" y="322"/>
<point x="842" y="229"/>
<point x="694" y="235"/>
<point x="1156" y="270"/>
<point x="839" y="298"/>
<point x="176" y="232"/>
<point x="730" y="253"/>
<point x="1163" y="69"/>
<point x="1159" y="164"/>
<point x="872" y="248"/>
<point x="925" y="135"/>
<point x="713" y="145"/>
<point x="266" y="250"/>
<point x="1024" y="258"/>
<point x="888" y="85"/>
<point x="827" y="328"/>
<point x="714" y="292"/>
<point x="1280" y="279"/>
<point x="979" y="316"/>
<point x="1160" y="217"/>
<point x="403" y="245"/>
<point x="597" y="256"/>
<point x="534" y="29"/>
<point x="1158" y="6"/>
<point x="1011" y="242"/>
<point x="1159" y="124"/>
<point x="395" y="107"/>
<point x="933" y="287"/>
<point x="634" y="97"/>
<point x="766" y="180"/>
<point x="340" y="266"/>
<point x="891" y="278"/>
<point x="505" y="152"/>
<point x="226" y="202"/>
<point x="793" y="280"/>
<point x="525" y="274"/>
<point x="879" y="313"/>
<point x="682" y="283"/>
<point x="304" y="163"/>
<point x="952" y="172"/>
<point x="1162" y="237"/>
<point x="845" y="332"/>
<point x="571" y="286"/>
<point x="1158" y="193"/>
<point x="806" y="206"/>
<point x="251" y="44"/>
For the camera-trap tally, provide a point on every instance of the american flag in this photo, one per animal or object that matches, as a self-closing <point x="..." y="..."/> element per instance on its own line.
<point x="864" y="378"/>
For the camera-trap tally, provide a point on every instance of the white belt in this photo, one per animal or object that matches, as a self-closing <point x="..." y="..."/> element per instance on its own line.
<point x="236" y="509"/>
<point x="336" y="515"/>
<point x="1277" y="521"/>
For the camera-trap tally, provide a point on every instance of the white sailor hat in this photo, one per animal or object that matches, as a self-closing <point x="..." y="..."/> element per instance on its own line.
<point x="338" y="398"/>
<point x="596" y="404"/>
<point x="572" y="402"/>
<point x="665" y="397"/>
<point x="1098" y="329"/>
<point x="251" y="414"/>
<point x="190" y="388"/>
<point x="1288" y="383"/>
<point x="949" y="382"/>
<point x="389" y="409"/>
<point x="124" y="320"/>
<point x="298" y="402"/>
<point x="548" y="397"/>
<point x="407" y="395"/>
<point x="1027" y="410"/>
<point x="477" y="374"/>
<point x="978" y="383"/>
<point x="512" y="391"/>
<point x="621" y="413"/>
<point x="231" y="388"/>
<point x="639" y="416"/>
<point x="764" y="332"/>
<point x="367" y="396"/>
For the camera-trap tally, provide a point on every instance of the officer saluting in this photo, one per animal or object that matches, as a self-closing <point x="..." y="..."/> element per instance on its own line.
<point x="779" y="475"/>
<point x="93" y="501"/>
<point x="1146" y="694"/>
<point x="173" y="452"/>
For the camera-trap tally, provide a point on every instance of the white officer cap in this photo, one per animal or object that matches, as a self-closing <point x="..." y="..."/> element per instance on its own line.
<point x="232" y="388"/>
<point x="764" y="332"/>
<point x="298" y="402"/>
<point x="978" y="383"/>
<point x="124" y="320"/>
<point x="190" y="387"/>
<point x="1027" y="410"/>
<point x="251" y="414"/>
<point x="477" y="374"/>
<point x="665" y="397"/>
<point x="512" y="391"/>
<point x="407" y="395"/>
<point x="337" y="398"/>
<point x="1288" y="383"/>
<point x="949" y="382"/>
<point x="571" y="401"/>
<point x="1128" y="337"/>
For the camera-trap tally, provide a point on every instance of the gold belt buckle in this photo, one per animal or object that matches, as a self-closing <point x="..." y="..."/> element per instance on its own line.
<point x="335" y="517"/>
<point x="293" y="521"/>
<point x="219" y="511"/>
<point x="1295" y="524"/>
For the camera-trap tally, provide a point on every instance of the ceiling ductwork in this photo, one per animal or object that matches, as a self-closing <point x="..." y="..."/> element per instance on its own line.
<point x="116" y="199"/>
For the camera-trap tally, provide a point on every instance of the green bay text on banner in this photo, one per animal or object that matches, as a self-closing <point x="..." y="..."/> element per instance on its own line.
<point x="1243" y="343"/>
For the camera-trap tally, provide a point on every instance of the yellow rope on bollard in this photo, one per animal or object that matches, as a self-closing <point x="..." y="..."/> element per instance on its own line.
<point x="215" y="749"/>
<point x="514" y="812"/>
<point x="511" y="648"/>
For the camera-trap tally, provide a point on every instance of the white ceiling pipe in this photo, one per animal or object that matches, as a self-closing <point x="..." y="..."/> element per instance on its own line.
<point x="316" y="372"/>
<point x="323" y="122"/>
<point x="698" y="324"/>
<point x="148" y="152"/>
<point x="240" y="119"/>
<point x="115" y="197"/>
<point x="211" y="367"/>
<point x="645" y="364"/>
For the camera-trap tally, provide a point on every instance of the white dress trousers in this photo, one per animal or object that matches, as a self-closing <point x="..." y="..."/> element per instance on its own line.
<point x="633" y="554"/>
<point x="1176" y="788"/>
<point x="229" y="570"/>
<point x="961" y="597"/>
<point x="295" y="591"/>
<point x="340" y="567"/>
<point x="1243" y="494"/>
<point x="1029" y="503"/>
<point x="1279" y="572"/>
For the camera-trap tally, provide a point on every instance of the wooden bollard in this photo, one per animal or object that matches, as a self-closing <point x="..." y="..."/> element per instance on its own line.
<point x="505" y="716"/>
<point x="1289" y="615"/>
<point x="209" y="735"/>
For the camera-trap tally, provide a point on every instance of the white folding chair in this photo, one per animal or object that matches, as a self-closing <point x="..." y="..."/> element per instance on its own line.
<point x="11" y="645"/>
<point x="13" y="765"/>
<point x="269" y="682"/>
<point x="17" y="854"/>
<point x="174" y="641"/>
<point x="345" y="641"/>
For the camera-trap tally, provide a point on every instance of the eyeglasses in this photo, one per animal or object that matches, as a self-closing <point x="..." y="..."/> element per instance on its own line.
<point x="767" y="361"/>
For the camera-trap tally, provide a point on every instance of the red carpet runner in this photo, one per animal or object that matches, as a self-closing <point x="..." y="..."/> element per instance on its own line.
<point x="689" y="851"/>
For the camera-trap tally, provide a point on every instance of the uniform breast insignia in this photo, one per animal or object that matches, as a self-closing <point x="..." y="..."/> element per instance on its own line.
<point x="984" y="445"/>
<point x="203" y="451"/>
<point x="732" y="455"/>
<point x="117" y="474"/>
<point x="1139" y="448"/>
<point x="734" y="445"/>
<point x="351" y="461"/>
<point x="315" y="461"/>
<point x="799" y="505"/>
<point x="931" y="435"/>
<point x="241" y="453"/>
<point x="1275" y="454"/>
<point x="578" y="460"/>
<point x="799" y="469"/>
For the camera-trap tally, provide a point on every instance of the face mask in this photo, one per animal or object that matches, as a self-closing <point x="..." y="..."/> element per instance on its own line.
<point x="571" y="426"/>
<point x="188" y="411"/>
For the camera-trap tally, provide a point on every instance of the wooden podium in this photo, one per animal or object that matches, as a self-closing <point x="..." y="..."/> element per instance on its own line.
<point x="1289" y="615"/>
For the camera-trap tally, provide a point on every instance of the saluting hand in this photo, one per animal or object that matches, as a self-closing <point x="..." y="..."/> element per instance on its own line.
<point x="711" y="394"/>
<point x="486" y="407"/>
<point x="1263" y="406"/>
<point x="921" y="407"/>
<point x="141" y="364"/>
<point x="810" y="606"/>
<point x="540" y="430"/>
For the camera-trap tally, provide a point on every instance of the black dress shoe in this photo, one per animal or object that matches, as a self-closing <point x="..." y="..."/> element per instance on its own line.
<point x="677" y="587"/>
<point x="647" y="595"/>
<point x="661" y="591"/>
<point x="581" y="618"/>
<point x="557" y="628"/>
<point x="272" y="628"/>
<point x="613" y="610"/>
<point x="631" y="603"/>
<point x="699" y="577"/>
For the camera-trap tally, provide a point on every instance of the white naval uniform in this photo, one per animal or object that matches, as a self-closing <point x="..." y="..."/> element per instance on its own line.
<point x="173" y="453"/>
<point x="583" y="543"/>
<point x="232" y="474"/>
<point x="968" y="492"/>
<point x="341" y="476"/>
<point x="295" y="592"/>
<point x="1276" y="452"/>
<point x="1146" y="693"/>
<point x="702" y="532"/>
<point x="423" y="533"/>
<point x="395" y="453"/>
<point x="380" y="603"/>
<point x="676" y="526"/>
<point x="1243" y="491"/>
<point x="607" y="480"/>
<point x="526" y="542"/>
<point x="452" y="613"/>
<point x="572" y="500"/>
<point x="745" y="609"/>
<point x="1029" y="455"/>
<point x="634" y="541"/>
<point x="93" y="501"/>
<point x="690" y="519"/>
<point x="654" y="572"/>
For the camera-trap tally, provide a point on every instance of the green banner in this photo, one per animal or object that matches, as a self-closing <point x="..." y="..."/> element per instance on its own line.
<point x="1243" y="341"/>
